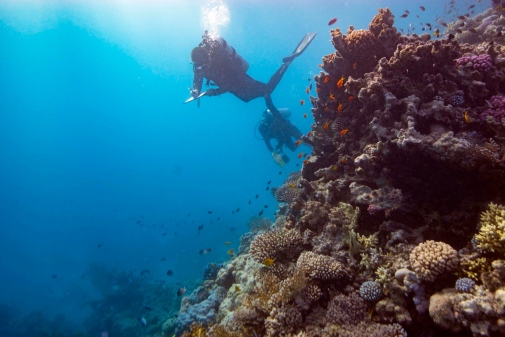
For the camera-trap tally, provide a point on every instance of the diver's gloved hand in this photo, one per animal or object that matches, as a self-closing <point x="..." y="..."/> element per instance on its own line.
<point x="194" y="93"/>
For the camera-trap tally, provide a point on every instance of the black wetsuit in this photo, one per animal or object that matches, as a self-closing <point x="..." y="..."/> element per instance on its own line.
<point x="227" y="74"/>
<point x="284" y="133"/>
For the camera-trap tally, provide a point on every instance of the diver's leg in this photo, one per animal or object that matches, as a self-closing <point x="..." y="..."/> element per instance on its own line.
<point x="271" y="107"/>
<point x="277" y="76"/>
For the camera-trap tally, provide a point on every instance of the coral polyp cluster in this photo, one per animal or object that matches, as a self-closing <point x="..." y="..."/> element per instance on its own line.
<point x="379" y="234"/>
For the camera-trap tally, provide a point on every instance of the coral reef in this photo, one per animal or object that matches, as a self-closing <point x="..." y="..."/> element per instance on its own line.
<point x="379" y="233"/>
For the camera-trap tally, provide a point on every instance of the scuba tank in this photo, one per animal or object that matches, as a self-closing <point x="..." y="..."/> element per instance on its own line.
<point x="217" y="43"/>
<point x="285" y="113"/>
<point x="232" y="52"/>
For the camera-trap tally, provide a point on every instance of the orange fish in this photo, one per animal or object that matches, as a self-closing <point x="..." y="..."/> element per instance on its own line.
<point x="354" y="65"/>
<point x="326" y="109"/>
<point x="330" y="57"/>
<point x="340" y="82"/>
<point x="344" y="161"/>
<point x="300" y="155"/>
<point x="332" y="97"/>
<point x="307" y="90"/>
<point x="340" y="107"/>
<point x="335" y="167"/>
<point x="302" y="102"/>
<point x="326" y="79"/>
<point x="343" y="132"/>
<point x="309" y="134"/>
<point x="306" y="161"/>
<point x="332" y="21"/>
<point x="326" y="126"/>
<point x="298" y="142"/>
<point x="351" y="98"/>
<point x="304" y="115"/>
<point x="318" y="90"/>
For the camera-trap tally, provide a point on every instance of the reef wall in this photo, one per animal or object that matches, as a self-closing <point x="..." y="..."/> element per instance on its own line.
<point x="394" y="226"/>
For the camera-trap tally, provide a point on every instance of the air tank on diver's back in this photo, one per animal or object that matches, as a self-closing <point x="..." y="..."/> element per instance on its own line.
<point x="232" y="52"/>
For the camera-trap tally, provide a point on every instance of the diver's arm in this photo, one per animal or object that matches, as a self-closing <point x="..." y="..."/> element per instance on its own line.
<point x="215" y="92"/>
<point x="197" y="84"/>
<point x="269" y="146"/>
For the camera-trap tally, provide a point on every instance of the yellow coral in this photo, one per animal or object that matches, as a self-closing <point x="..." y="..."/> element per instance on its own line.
<point x="367" y="241"/>
<point x="475" y="267"/>
<point x="491" y="236"/>
<point x="383" y="274"/>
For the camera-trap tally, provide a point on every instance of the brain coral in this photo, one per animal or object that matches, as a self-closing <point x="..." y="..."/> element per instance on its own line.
<point x="491" y="236"/>
<point x="276" y="245"/>
<point x="432" y="258"/>
<point x="321" y="267"/>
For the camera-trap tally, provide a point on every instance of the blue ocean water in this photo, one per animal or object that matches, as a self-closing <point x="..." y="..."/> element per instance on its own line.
<point x="102" y="163"/>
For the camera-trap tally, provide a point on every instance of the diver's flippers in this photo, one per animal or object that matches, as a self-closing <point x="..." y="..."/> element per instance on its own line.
<point x="304" y="43"/>
<point x="192" y="98"/>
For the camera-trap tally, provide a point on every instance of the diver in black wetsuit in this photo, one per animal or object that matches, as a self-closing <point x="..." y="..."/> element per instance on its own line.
<point x="220" y="64"/>
<point x="284" y="133"/>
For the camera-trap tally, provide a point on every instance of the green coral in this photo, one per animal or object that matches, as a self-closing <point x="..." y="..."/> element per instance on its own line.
<point x="491" y="235"/>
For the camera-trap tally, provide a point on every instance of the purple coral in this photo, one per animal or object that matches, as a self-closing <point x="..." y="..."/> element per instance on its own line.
<point x="481" y="63"/>
<point x="497" y="110"/>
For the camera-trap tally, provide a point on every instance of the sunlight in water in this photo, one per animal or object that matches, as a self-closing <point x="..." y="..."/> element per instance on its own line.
<point x="215" y="14"/>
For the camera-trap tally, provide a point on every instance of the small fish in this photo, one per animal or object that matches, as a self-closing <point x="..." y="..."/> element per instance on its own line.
<point x="199" y="229"/>
<point x="298" y="142"/>
<point x="163" y="259"/>
<point x="300" y="155"/>
<point x="326" y="79"/>
<point x="406" y="11"/>
<point x="307" y="90"/>
<point x="305" y="115"/>
<point x="266" y="206"/>
<point x="181" y="291"/>
<point x="231" y="252"/>
<point x="450" y="36"/>
<point x="147" y="307"/>
<point x="249" y="202"/>
<point x="237" y="210"/>
<point x="340" y="107"/>
<point x="466" y="117"/>
<point x="309" y="133"/>
<point x="332" y="97"/>
<point x="266" y="189"/>
<point x="334" y="168"/>
<point x="227" y="243"/>
<point x="260" y="213"/>
<point x="340" y="82"/>
<point x="142" y="321"/>
<point x="302" y="102"/>
<point x="428" y="25"/>
<point x="237" y="288"/>
<point x="268" y="262"/>
<point x="461" y="17"/>
<point x="344" y="161"/>
<point x="280" y="172"/>
<point x="472" y="6"/>
<point x="332" y="21"/>
<point x="422" y="8"/>
<point x="256" y="196"/>
<point x="209" y="212"/>
<point x="291" y="185"/>
<point x="459" y="31"/>
<point x="326" y="126"/>
<point x="343" y="132"/>
<point x="305" y="162"/>
<point x="310" y="87"/>
<point x="472" y="30"/>
<point x="404" y="15"/>
<point x="205" y="251"/>
<point x="99" y="245"/>
<point x="54" y="276"/>
<point x="170" y="272"/>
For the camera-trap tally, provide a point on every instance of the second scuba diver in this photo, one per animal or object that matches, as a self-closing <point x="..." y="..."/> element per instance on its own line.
<point x="284" y="133"/>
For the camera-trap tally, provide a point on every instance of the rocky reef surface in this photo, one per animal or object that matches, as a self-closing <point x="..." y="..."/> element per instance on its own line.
<point x="395" y="224"/>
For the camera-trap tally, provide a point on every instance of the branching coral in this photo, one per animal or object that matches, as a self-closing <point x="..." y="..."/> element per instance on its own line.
<point x="277" y="245"/>
<point x="491" y="235"/>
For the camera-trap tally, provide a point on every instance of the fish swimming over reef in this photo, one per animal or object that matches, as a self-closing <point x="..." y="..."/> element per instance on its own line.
<point x="181" y="291"/>
<point x="205" y="251"/>
<point x="142" y="321"/>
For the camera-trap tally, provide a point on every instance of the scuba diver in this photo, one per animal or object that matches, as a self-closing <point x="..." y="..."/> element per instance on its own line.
<point x="284" y="133"/>
<point x="220" y="64"/>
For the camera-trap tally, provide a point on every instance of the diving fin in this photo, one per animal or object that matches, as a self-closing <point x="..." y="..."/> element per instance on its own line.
<point x="304" y="43"/>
